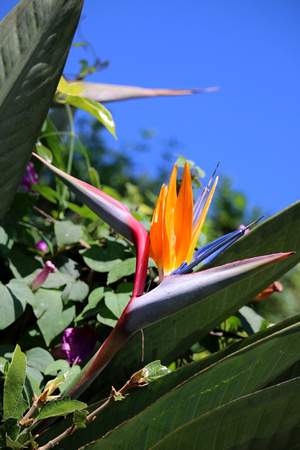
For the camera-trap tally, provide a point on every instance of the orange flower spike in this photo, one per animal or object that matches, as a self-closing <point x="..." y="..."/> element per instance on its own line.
<point x="174" y="229"/>
<point x="157" y="225"/>
<point x="184" y="218"/>
<point x="168" y="230"/>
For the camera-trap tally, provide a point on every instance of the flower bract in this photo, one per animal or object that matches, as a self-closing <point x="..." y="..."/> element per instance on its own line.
<point x="177" y="222"/>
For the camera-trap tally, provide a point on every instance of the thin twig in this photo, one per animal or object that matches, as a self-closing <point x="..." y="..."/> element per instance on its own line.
<point x="137" y="380"/>
<point x="48" y="217"/>
<point x="38" y="402"/>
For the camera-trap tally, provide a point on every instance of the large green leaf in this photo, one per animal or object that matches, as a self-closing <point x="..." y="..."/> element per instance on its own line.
<point x="35" y="38"/>
<point x="13" y="298"/>
<point x="267" y="419"/>
<point x="234" y="376"/>
<point x="171" y="337"/>
<point x="237" y="370"/>
<point x="13" y="403"/>
<point x="52" y="318"/>
<point x="61" y="407"/>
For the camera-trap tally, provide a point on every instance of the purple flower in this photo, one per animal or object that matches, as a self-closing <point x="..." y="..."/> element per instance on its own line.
<point x="42" y="246"/>
<point x="77" y="343"/>
<point x="29" y="178"/>
<point x="42" y="276"/>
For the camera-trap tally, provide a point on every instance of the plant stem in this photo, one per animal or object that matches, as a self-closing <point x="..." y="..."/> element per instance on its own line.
<point x="89" y="418"/>
<point x="70" y="154"/>
<point x="133" y="382"/>
<point x="28" y="415"/>
<point x="37" y="403"/>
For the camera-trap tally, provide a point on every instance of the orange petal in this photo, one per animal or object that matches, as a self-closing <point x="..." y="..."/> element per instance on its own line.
<point x="169" y="237"/>
<point x="184" y="217"/>
<point x="156" y="235"/>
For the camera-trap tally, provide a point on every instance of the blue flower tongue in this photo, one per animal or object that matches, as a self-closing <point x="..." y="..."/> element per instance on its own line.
<point x="201" y="200"/>
<point x="210" y="251"/>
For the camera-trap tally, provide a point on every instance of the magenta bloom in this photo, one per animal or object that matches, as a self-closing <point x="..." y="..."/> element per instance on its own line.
<point x="77" y="343"/>
<point x="42" y="276"/>
<point x="42" y="246"/>
<point x="29" y="178"/>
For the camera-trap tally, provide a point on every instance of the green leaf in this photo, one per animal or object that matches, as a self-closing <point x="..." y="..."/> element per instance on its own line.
<point x="48" y="193"/>
<point x="35" y="38"/>
<point x="52" y="319"/>
<point x="60" y="408"/>
<point x="106" y="317"/>
<point x="9" y="428"/>
<point x="68" y="267"/>
<point x="121" y="269"/>
<point x="13" y="402"/>
<point x="43" y="151"/>
<point x="39" y="358"/>
<point x="95" y="109"/>
<point x="251" y="321"/>
<point x="194" y="390"/>
<point x="6" y="242"/>
<point x="22" y="264"/>
<point x="79" y="418"/>
<point x="13" y="444"/>
<point x="83" y="211"/>
<point x="32" y="385"/>
<point x="116" y="303"/>
<point x="69" y="376"/>
<point x="103" y="259"/>
<point x="67" y="233"/>
<point x="3" y="364"/>
<point x="92" y="308"/>
<point x="94" y="177"/>
<point x="13" y="298"/>
<point x="265" y="419"/>
<point x="76" y="291"/>
<point x="36" y="374"/>
<point x="60" y="365"/>
<point x="69" y="88"/>
<point x="155" y="370"/>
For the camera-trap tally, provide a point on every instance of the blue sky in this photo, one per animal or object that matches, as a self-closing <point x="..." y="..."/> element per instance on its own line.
<point x="248" y="48"/>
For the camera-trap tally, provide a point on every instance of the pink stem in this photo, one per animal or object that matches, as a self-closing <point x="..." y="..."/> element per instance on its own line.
<point x="106" y="352"/>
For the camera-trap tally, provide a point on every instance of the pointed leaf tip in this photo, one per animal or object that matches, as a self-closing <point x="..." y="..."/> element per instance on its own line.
<point x="177" y="292"/>
<point x="116" y="214"/>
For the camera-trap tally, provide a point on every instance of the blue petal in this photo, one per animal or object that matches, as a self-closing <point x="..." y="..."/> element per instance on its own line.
<point x="201" y="200"/>
<point x="210" y="251"/>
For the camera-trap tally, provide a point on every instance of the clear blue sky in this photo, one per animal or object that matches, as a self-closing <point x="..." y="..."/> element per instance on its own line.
<point x="250" y="48"/>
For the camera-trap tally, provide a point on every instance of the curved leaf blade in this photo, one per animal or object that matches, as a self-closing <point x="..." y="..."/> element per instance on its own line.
<point x="239" y="354"/>
<point x="234" y="376"/>
<point x="265" y="419"/>
<point x="60" y="407"/>
<point x="35" y="39"/>
<point x="13" y="402"/>
<point x="177" y="292"/>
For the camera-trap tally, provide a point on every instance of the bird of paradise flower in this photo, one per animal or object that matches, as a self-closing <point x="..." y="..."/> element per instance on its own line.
<point x="172" y="248"/>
